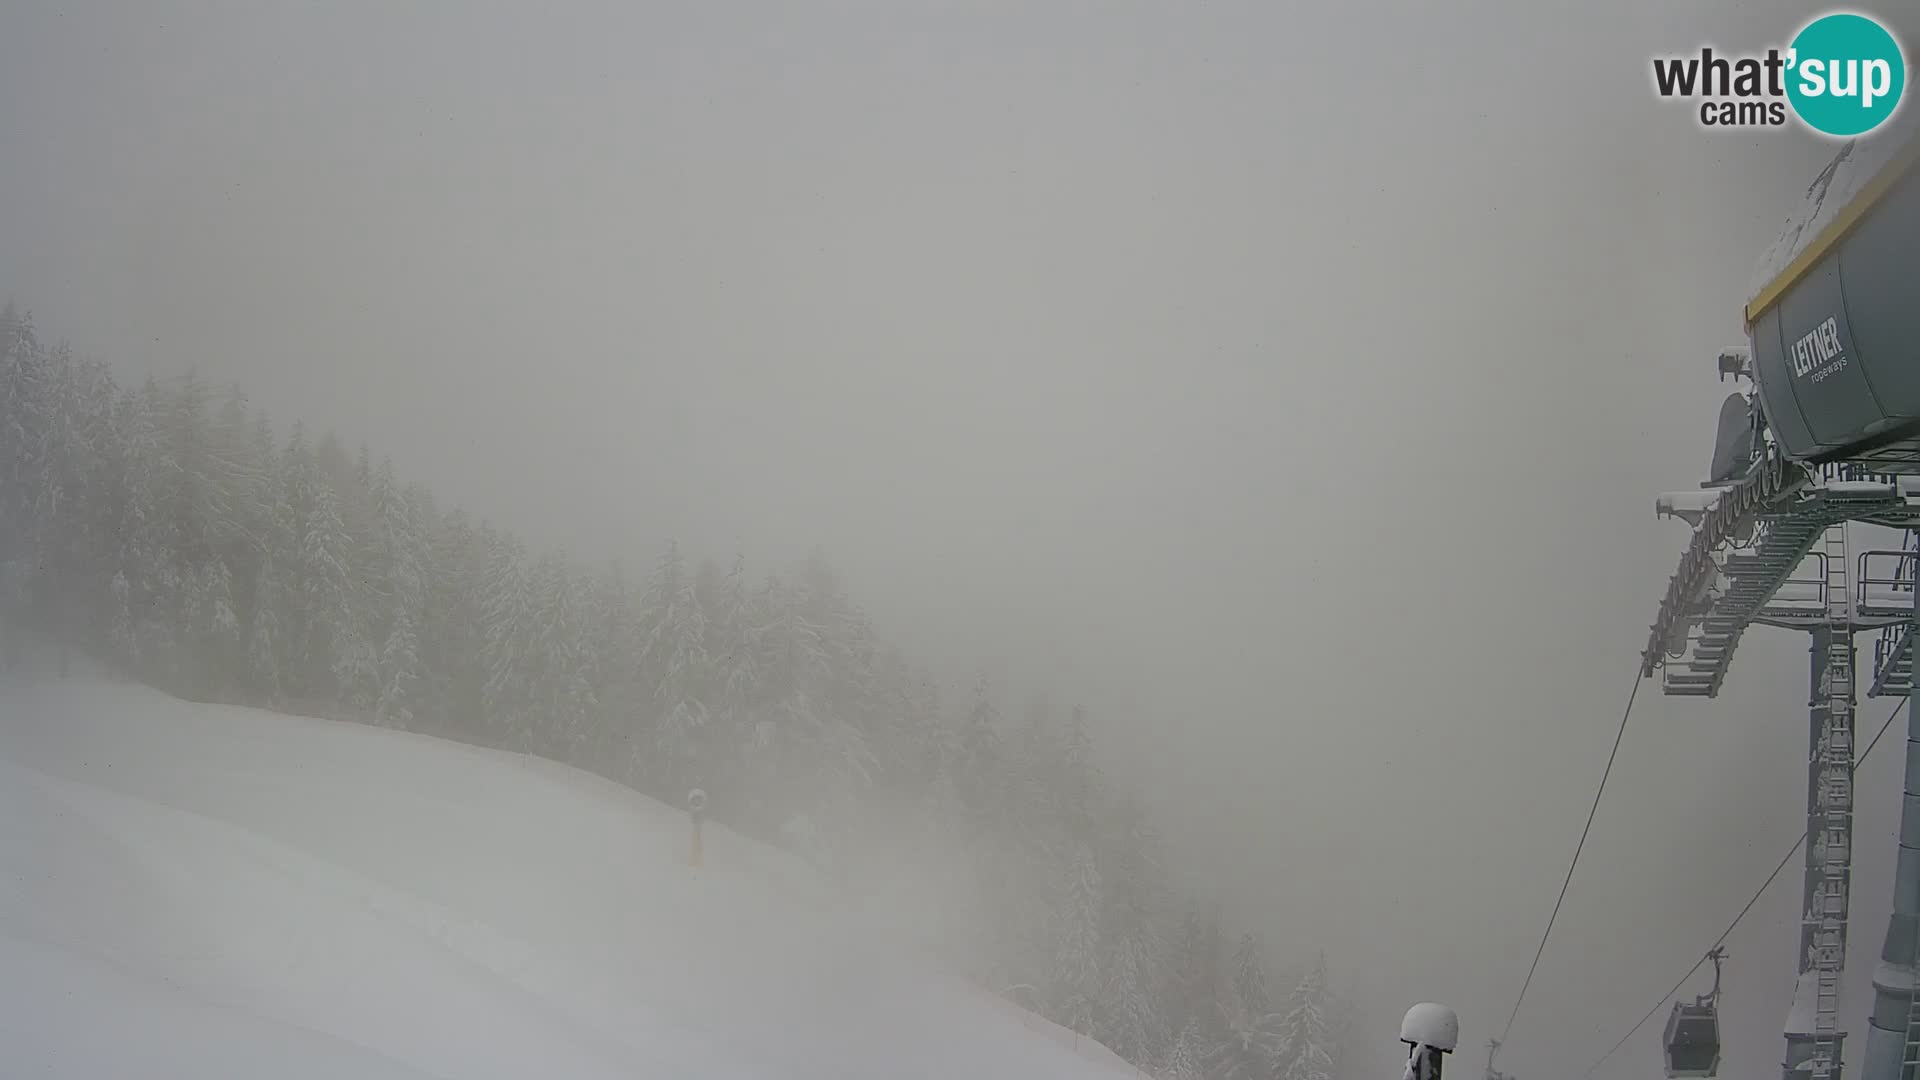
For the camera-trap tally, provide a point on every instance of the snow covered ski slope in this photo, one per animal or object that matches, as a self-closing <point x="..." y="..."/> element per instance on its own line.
<point x="207" y="891"/>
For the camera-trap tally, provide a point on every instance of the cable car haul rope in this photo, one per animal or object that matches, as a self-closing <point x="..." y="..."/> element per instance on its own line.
<point x="1577" y="849"/>
<point x="1798" y="458"/>
<point x="1716" y="952"/>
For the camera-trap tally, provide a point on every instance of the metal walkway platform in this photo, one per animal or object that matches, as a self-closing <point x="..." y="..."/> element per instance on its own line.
<point x="1747" y="563"/>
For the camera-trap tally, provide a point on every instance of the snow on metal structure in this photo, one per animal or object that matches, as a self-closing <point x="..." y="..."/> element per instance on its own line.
<point x="1836" y="189"/>
<point x="1830" y="435"/>
<point x="1428" y="1024"/>
<point x="1887" y="587"/>
<point x="1430" y="1032"/>
<point x="1835" y="332"/>
<point x="1795" y="571"/>
<point x="1724" y="583"/>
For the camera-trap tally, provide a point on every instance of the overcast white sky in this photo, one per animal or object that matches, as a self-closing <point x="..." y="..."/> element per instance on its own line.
<point x="1291" y="384"/>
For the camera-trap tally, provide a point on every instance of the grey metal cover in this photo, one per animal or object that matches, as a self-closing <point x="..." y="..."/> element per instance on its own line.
<point x="1836" y="339"/>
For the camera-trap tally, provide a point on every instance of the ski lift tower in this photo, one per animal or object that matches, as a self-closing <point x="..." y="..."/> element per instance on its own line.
<point x="1825" y="431"/>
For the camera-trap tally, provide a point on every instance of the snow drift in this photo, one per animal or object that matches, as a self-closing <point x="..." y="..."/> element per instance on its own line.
<point x="207" y="891"/>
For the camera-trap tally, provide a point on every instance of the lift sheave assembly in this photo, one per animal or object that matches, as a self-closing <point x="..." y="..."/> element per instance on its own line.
<point x="1828" y="437"/>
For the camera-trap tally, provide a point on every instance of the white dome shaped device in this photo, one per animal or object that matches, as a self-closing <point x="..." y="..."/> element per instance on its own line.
<point x="1431" y="1025"/>
<point x="1430" y="1031"/>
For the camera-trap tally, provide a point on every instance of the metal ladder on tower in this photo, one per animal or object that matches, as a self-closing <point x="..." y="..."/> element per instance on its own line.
<point x="1836" y="808"/>
<point x="1910" y="1056"/>
<point x="1910" y="1059"/>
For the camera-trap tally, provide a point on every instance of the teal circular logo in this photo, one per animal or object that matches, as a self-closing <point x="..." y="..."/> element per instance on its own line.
<point x="1846" y="74"/>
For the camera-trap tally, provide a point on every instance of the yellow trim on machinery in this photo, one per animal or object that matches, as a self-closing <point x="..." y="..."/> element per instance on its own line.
<point x="1837" y="230"/>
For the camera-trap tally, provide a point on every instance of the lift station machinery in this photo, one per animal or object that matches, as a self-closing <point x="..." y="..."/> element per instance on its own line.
<point x="1823" y="430"/>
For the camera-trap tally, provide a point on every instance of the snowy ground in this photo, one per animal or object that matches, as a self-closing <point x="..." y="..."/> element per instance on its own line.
<point x="206" y="891"/>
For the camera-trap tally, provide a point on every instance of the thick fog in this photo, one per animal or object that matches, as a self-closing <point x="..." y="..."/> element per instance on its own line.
<point x="1291" y="386"/>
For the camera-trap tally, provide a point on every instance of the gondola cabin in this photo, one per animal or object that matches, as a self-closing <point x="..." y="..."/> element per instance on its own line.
<point x="1693" y="1039"/>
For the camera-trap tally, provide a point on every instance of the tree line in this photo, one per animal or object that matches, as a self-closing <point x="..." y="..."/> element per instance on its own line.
<point x="171" y="531"/>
